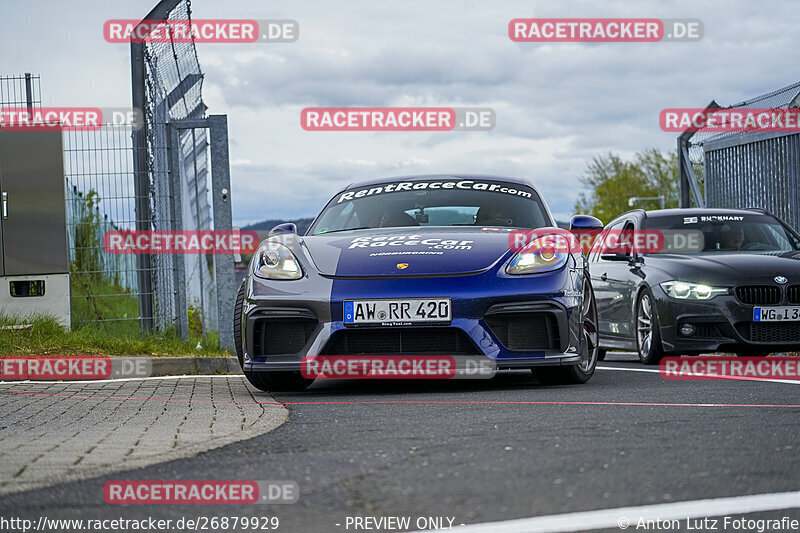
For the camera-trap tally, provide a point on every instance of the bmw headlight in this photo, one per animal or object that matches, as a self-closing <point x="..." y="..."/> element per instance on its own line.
<point x="682" y="290"/>
<point x="276" y="261"/>
<point x="544" y="254"/>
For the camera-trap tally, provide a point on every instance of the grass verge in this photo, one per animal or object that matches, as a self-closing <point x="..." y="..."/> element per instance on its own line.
<point x="47" y="337"/>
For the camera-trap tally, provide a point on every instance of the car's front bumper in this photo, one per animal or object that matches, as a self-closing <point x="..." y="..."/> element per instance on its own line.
<point x="314" y="305"/>
<point x="720" y="324"/>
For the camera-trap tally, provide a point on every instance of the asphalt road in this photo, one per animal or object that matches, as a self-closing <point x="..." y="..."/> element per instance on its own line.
<point x="483" y="451"/>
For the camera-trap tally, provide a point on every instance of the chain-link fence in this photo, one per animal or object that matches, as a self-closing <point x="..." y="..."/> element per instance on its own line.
<point x="154" y="175"/>
<point x="173" y="92"/>
<point x="750" y="169"/>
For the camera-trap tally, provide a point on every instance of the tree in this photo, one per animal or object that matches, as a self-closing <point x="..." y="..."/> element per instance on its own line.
<point x="613" y="180"/>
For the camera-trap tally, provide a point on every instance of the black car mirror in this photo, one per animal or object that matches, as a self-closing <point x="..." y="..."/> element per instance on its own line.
<point x="616" y="257"/>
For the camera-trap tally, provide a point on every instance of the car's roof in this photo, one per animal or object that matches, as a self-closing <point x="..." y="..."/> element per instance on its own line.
<point x="699" y="211"/>
<point x="429" y="177"/>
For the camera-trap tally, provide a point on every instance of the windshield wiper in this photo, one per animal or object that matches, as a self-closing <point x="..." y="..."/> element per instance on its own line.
<point x="345" y="229"/>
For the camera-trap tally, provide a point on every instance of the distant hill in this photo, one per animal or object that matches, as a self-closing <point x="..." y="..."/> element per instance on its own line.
<point x="266" y="225"/>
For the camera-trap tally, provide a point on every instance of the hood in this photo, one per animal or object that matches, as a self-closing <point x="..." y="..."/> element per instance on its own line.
<point x="406" y="251"/>
<point x="727" y="269"/>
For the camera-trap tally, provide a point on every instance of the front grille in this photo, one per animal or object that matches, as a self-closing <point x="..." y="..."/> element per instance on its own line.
<point x="401" y="341"/>
<point x="525" y="332"/>
<point x="275" y="336"/>
<point x="793" y="294"/>
<point x="775" y="332"/>
<point x="759" y="294"/>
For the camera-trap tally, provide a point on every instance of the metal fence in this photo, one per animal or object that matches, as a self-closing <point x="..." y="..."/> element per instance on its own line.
<point x="174" y="163"/>
<point x="170" y="171"/>
<point x="749" y="169"/>
<point x="100" y="198"/>
<point x="20" y="91"/>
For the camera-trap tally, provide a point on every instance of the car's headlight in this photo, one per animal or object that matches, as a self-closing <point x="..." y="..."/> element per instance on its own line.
<point x="276" y="261"/>
<point x="682" y="290"/>
<point x="541" y="255"/>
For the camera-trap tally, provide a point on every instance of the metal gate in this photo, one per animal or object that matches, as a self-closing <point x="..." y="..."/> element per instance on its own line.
<point x="740" y="170"/>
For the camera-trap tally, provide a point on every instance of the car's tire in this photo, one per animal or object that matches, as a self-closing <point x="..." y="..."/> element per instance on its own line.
<point x="237" y="324"/>
<point x="601" y="354"/>
<point x="278" y="381"/>
<point x="648" y="334"/>
<point x="580" y="373"/>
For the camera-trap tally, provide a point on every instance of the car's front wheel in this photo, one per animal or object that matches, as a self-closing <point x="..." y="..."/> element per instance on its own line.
<point x="582" y="372"/>
<point x="648" y="334"/>
<point x="265" y="381"/>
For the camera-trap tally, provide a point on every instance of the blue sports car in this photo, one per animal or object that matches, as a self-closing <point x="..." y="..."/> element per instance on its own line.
<point x="440" y="265"/>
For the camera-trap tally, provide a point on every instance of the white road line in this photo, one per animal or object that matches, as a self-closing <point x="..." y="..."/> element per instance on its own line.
<point x="649" y="370"/>
<point x="716" y="378"/>
<point x="120" y="380"/>
<point x="631" y="516"/>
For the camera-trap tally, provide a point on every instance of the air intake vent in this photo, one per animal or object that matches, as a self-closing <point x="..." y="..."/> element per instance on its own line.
<point x="401" y="341"/>
<point x="525" y="332"/>
<point x="281" y="336"/>
<point x="759" y="294"/>
<point x="706" y="331"/>
<point x="775" y="332"/>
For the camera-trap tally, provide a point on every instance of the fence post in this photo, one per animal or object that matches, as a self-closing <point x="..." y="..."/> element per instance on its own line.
<point x="28" y="91"/>
<point x="221" y="203"/>
<point x="141" y="187"/>
<point x="176" y="206"/>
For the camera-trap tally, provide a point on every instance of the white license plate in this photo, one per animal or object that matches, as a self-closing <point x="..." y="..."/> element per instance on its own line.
<point x="776" y="314"/>
<point x="401" y="311"/>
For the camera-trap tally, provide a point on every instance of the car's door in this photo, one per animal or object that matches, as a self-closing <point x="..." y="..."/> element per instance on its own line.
<point x="605" y="297"/>
<point x="619" y="274"/>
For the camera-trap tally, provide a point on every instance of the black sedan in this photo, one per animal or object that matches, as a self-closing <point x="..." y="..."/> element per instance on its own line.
<point x="734" y="288"/>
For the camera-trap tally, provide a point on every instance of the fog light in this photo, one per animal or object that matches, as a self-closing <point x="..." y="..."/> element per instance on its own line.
<point x="687" y="329"/>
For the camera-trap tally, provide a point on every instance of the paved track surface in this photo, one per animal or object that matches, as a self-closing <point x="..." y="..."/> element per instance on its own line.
<point x="481" y="451"/>
<point x="55" y="432"/>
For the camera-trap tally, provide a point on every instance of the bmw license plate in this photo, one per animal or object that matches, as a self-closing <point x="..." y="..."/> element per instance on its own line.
<point x="776" y="314"/>
<point x="401" y="311"/>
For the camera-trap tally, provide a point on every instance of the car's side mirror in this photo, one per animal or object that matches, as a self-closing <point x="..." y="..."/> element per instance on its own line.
<point x="283" y="229"/>
<point x="616" y="257"/>
<point x="585" y="222"/>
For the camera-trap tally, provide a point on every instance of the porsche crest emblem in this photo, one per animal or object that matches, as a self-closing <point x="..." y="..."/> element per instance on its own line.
<point x="402" y="266"/>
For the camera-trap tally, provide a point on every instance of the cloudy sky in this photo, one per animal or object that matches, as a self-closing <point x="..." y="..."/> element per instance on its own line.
<point x="557" y="105"/>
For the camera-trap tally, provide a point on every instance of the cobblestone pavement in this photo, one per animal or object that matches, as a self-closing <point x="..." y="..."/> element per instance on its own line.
<point x="56" y="432"/>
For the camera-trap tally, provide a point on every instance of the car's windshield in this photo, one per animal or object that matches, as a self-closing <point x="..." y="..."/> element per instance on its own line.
<point x="731" y="232"/>
<point x="433" y="203"/>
